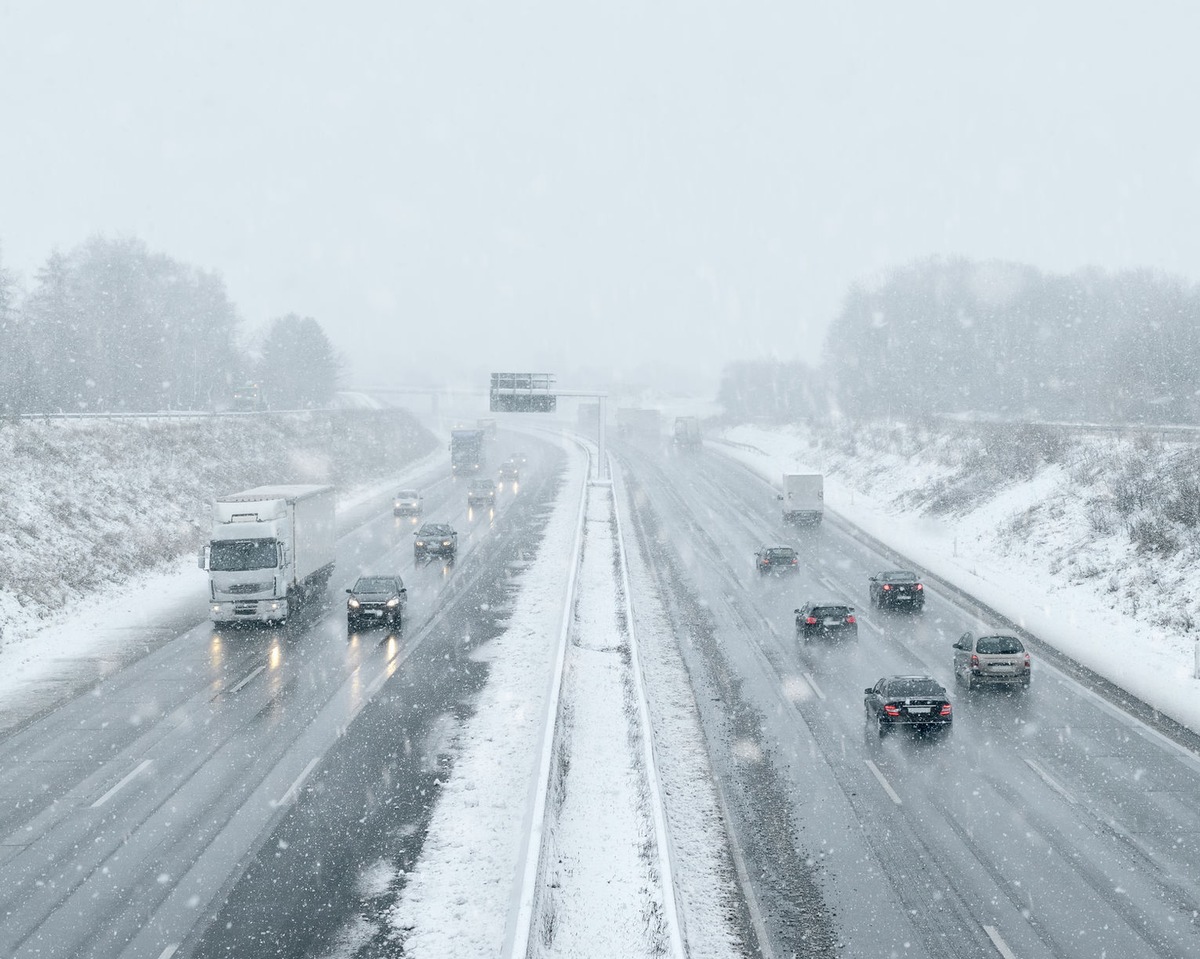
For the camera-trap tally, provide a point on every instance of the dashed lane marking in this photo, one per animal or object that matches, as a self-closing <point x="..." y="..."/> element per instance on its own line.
<point x="294" y="788"/>
<point x="1049" y="780"/>
<point x="119" y="786"/>
<point x="887" y="786"/>
<point x="808" y="678"/>
<point x="999" y="943"/>
<point x="245" y="679"/>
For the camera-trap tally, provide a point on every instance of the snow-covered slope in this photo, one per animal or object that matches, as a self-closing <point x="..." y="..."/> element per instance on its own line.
<point x="1089" y="542"/>
<point x="87" y="503"/>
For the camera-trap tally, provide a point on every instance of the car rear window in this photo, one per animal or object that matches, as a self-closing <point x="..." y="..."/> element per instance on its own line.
<point x="999" y="645"/>
<point x="915" y="687"/>
<point x="783" y="552"/>
<point x="899" y="576"/>
<point x="825" y="612"/>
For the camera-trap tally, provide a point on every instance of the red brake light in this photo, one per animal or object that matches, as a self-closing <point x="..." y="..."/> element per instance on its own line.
<point x="918" y="586"/>
<point x="887" y="585"/>
<point x="766" y="562"/>
<point x="795" y="560"/>
<point x="892" y="710"/>
<point x="946" y="709"/>
<point x="851" y="619"/>
<point x="1026" y="660"/>
<point x="811" y="621"/>
<point x="974" y="661"/>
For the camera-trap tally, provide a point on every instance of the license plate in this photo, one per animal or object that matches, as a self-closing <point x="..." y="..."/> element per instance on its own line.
<point x="1002" y="669"/>
<point x="375" y="612"/>
<point x="920" y="710"/>
<point x="833" y="622"/>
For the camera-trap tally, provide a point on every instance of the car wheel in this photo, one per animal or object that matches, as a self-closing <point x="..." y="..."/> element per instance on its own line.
<point x="881" y="728"/>
<point x="350" y="623"/>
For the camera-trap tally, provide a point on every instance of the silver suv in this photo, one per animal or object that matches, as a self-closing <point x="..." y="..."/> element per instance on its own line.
<point x="998" y="659"/>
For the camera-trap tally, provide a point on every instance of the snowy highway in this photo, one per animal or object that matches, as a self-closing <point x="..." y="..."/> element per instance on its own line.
<point x="279" y="792"/>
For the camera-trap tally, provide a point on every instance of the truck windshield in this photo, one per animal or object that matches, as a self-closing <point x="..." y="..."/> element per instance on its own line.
<point x="240" y="554"/>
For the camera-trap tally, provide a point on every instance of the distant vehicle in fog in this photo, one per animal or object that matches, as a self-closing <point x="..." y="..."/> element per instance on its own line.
<point x="249" y="398"/>
<point x="776" y="559"/>
<point x="466" y="451"/>
<point x="376" y="600"/>
<point x="687" y="433"/>
<point x="510" y="471"/>
<point x="803" y="498"/>
<point x="408" y="502"/>
<point x="435" y="539"/>
<point x="482" y="492"/>
<point x="897" y="589"/>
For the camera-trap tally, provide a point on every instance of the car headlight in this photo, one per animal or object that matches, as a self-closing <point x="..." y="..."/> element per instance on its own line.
<point x="393" y="602"/>
<point x="420" y="542"/>
<point x="445" y="542"/>
<point x="352" y="603"/>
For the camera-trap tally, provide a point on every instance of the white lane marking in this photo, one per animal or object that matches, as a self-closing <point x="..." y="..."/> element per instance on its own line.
<point x="999" y="943"/>
<point x="124" y="782"/>
<point x="1049" y="780"/>
<point x="874" y="626"/>
<point x="169" y="951"/>
<point x="295" y="787"/>
<point x="827" y="583"/>
<point x="245" y="679"/>
<point x="883" y="782"/>
<point x="808" y="678"/>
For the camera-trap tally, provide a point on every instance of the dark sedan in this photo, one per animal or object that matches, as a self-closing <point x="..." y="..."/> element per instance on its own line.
<point x="376" y="600"/>
<point x="920" y="702"/>
<point x="776" y="559"/>
<point x="825" y="621"/>
<point x="897" y="589"/>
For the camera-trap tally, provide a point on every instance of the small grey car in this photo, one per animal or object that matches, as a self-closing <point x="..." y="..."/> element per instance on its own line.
<point x="997" y="659"/>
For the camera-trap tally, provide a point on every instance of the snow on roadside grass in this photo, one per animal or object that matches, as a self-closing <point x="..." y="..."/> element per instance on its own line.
<point x="1035" y="548"/>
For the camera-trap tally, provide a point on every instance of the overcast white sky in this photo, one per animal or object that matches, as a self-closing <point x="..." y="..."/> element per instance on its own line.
<point x="612" y="185"/>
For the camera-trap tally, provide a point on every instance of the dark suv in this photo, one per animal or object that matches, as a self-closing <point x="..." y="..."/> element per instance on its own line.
<point x="776" y="559"/>
<point x="376" y="599"/>
<point x="825" y="621"/>
<point x="897" y="589"/>
<point x="435" y="539"/>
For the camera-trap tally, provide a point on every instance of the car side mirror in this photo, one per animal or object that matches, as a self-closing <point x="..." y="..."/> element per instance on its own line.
<point x="869" y="690"/>
<point x="796" y="611"/>
<point x="349" y="591"/>
<point x="779" y="496"/>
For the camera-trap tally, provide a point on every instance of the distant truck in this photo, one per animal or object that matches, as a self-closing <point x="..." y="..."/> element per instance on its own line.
<point x="803" y="498"/>
<point x="466" y="451"/>
<point x="687" y="433"/>
<point x="272" y="549"/>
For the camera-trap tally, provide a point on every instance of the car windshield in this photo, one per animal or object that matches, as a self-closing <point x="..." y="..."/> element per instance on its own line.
<point x="999" y="645"/>
<point x="375" y="584"/>
<point x="435" y="530"/>
<point x="243" y="554"/>
<point x="915" y="687"/>
<point x="831" y="612"/>
<point x="407" y="494"/>
<point x="898" y="576"/>
<point x="482" y="485"/>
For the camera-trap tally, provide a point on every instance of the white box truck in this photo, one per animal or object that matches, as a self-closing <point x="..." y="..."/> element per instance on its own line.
<point x="272" y="549"/>
<point x="803" y="498"/>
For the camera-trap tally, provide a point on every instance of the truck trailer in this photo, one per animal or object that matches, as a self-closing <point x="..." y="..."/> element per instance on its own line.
<point x="803" y="498"/>
<point x="272" y="549"/>
<point x="466" y="451"/>
<point x="687" y="433"/>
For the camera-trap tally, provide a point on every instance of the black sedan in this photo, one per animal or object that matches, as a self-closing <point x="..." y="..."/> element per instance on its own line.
<point x="897" y="589"/>
<point x="435" y="539"/>
<point x="376" y="600"/>
<point x="776" y="559"/>
<point x="825" y="621"/>
<point x="920" y="702"/>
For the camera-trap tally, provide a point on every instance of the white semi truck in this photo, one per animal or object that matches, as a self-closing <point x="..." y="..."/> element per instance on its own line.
<point x="803" y="498"/>
<point x="272" y="548"/>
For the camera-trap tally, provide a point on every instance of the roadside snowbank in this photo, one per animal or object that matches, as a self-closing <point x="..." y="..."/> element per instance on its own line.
<point x="1033" y="549"/>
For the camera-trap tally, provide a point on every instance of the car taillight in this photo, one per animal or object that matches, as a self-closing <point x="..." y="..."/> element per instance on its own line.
<point x="946" y="709"/>
<point x="811" y="621"/>
<point x="851" y="619"/>
<point x="795" y="560"/>
<point x="1026" y="660"/>
<point x="766" y="562"/>
<point x="887" y="586"/>
<point x="892" y="710"/>
<point x="918" y="586"/>
<point x="974" y="661"/>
